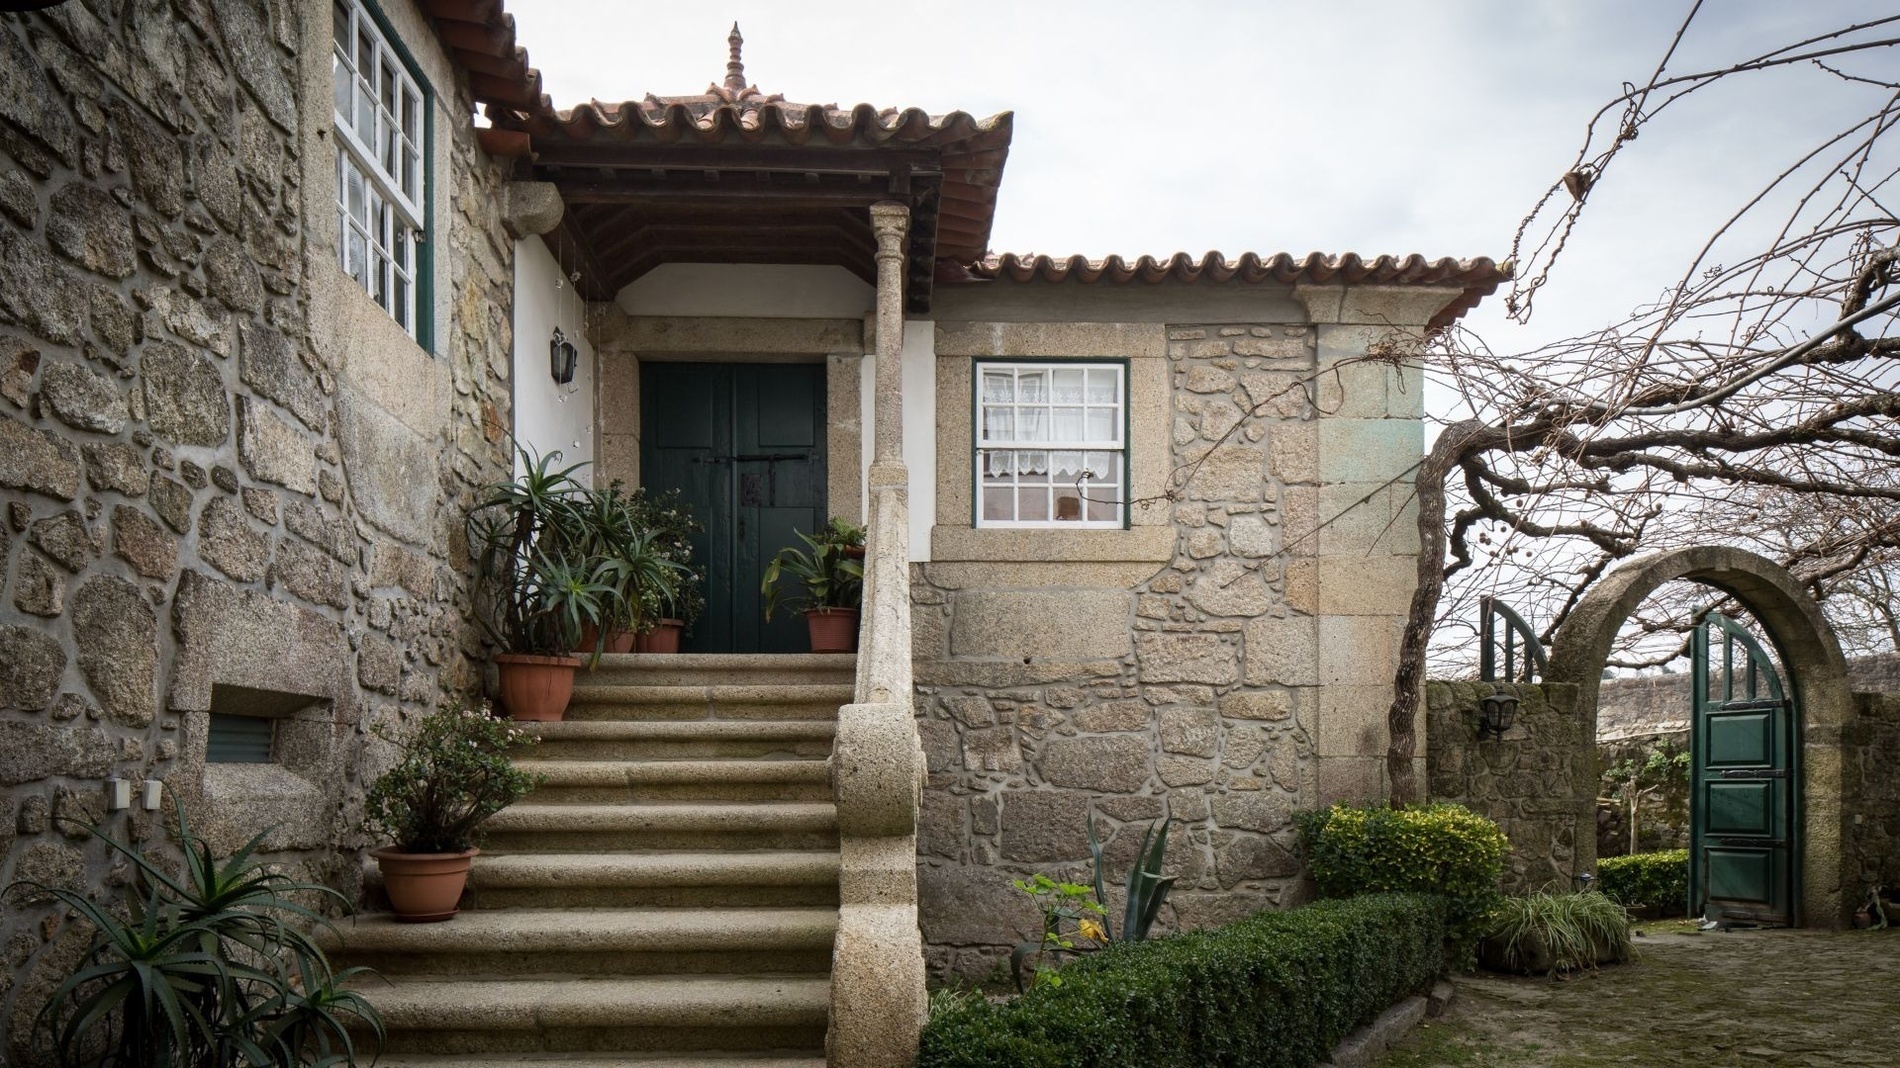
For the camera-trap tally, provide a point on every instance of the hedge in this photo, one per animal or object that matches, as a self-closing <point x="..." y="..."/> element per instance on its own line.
<point x="1658" y="879"/>
<point x="1441" y="848"/>
<point x="1276" y="990"/>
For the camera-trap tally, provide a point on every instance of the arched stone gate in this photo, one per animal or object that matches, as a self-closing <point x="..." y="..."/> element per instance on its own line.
<point x="1808" y="650"/>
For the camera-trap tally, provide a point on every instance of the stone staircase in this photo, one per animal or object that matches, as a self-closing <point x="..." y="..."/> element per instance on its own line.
<point x="668" y="898"/>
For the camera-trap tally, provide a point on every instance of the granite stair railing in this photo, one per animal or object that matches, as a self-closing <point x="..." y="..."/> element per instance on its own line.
<point x="670" y="896"/>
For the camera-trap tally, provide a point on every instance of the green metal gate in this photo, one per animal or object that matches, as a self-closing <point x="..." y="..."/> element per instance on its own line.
<point x="1744" y="780"/>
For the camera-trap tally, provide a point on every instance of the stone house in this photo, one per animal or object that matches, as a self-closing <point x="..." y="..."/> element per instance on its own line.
<point x="274" y="303"/>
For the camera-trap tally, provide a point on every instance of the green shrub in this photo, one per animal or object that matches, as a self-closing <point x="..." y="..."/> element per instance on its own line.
<point x="1546" y="932"/>
<point x="1276" y="990"/>
<point x="1657" y="879"/>
<point x="1441" y="849"/>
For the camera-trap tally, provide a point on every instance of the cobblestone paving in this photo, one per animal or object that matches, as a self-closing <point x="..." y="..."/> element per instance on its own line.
<point x="1744" y="998"/>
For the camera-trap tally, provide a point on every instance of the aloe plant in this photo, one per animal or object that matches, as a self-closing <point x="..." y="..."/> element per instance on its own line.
<point x="1147" y="887"/>
<point x="208" y="962"/>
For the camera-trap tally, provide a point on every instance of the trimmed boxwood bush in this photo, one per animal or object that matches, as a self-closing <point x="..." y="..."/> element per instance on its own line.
<point x="1276" y="990"/>
<point x="1442" y="849"/>
<point x="1657" y="879"/>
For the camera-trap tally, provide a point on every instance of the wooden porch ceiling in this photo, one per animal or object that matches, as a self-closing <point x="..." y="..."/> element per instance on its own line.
<point x="632" y="207"/>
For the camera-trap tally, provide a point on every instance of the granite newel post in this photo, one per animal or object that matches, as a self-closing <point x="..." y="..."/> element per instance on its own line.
<point x="877" y="764"/>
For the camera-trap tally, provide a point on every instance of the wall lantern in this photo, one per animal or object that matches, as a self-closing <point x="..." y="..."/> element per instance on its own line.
<point x="1496" y="713"/>
<point x="562" y="357"/>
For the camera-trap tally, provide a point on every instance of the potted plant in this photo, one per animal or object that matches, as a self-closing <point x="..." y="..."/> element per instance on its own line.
<point x="630" y="558"/>
<point x="832" y="583"/>
<point x="669" y="607"/>
<point x="455" y="772"/>
<point x="541" y="586"/>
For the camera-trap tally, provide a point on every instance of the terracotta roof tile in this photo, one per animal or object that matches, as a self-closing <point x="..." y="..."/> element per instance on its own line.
<point x="1476" y="277"/>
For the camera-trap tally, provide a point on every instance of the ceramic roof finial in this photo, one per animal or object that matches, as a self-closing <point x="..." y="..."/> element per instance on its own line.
<point x="735" y="67"/>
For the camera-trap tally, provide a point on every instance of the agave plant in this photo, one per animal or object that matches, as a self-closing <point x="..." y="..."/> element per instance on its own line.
<point x="522" y="534"/>
<point x="1147" y="887"/>
<point x="212" y="966"/>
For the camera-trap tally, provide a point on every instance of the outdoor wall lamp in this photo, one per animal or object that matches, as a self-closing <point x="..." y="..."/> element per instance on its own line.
<point x="562" y="357"/>
<point x="1496" y="713"/>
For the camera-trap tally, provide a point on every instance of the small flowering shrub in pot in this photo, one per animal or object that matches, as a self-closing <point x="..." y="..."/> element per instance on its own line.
<point x="454" y="773"/>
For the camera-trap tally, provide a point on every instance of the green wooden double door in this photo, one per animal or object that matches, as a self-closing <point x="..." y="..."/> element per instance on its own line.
<point x="744" y="444"/>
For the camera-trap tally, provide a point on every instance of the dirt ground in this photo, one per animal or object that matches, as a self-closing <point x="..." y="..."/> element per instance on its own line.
<point x="1704" y="999"/>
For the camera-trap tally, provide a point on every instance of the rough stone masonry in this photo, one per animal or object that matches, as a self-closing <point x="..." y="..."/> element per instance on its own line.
<point x="208" y="479"/>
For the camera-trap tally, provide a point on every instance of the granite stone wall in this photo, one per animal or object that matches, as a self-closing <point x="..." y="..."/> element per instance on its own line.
<point x="1538" y="781"/>
<point x="229" y="480"/>
<point x="1063" y="679"/>
<point x="1870" y="795"/>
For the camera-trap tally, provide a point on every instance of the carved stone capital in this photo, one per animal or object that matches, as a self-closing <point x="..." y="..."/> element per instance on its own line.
<point x="530" y="208"/>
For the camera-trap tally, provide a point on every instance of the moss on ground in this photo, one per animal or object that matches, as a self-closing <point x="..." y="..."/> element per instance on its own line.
<point x="1692" y="1000"/>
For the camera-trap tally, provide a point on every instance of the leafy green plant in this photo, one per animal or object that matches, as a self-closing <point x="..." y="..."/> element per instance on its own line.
<point x="623" y="558"/>
<point x="1147" y="887"/>
<point x="827" y="574"/>
<point x="1276" y="990"/>
<point x="455" y="772"/>
<point x="1547" y="932"/>
<point x="1659" y="880"/>
<point x="1442" y="849"/>
<point x="666" y="517"/>
<point x="1657" y="776"/>
<point x="524" y="535"/>
<point x="208" y="962"/>
<point x="1060" y="904"/>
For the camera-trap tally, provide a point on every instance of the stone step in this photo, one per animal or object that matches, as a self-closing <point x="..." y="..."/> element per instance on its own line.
<point x="681" y="739"/>
<point x="671" y="1013"/>
<point x="632" y="880"/>
<point x="715" y="669"/>
<point x="589" y="828"/>
<point x="636" y="781"/>
<point x="594" y="700"/>
<point x="608" y="1060"/>
<point x="520" y="943"/>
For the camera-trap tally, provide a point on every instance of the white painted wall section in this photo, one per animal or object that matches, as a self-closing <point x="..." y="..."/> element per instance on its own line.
<point x="550" y="417"/>
<point x="749" y="290"/>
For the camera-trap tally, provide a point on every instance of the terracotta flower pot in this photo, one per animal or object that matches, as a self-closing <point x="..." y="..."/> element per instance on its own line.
<point x="423" y="887"/>
<point x="663" y="638"/>
<point x="618" y="641"/>
<point x="833" y="630"/>
<point x="536" y="687"/>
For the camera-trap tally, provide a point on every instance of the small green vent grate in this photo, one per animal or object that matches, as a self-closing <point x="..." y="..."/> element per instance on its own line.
<point x="238" y="740"/>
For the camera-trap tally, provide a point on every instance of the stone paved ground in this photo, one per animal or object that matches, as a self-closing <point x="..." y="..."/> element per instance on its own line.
<point x="1712" y="1000"/>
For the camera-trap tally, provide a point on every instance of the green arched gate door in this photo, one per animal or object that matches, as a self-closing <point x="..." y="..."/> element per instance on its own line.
<point x="1744" y="779"/>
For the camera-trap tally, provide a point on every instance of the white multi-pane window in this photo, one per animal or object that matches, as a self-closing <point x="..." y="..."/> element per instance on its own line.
<point x="379" y="175"/>
<point x="1051" y="448"/>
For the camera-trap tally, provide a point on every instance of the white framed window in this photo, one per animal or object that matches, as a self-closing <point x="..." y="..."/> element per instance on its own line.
<point x="379" y="167"/>
<point x="1051" y="444"/>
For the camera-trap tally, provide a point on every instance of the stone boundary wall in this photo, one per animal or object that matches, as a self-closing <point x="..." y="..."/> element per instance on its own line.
<point x="1653" y="704"/>
<point x="1538" y="781"/>
<point x="221" y="463"/>
<point x="1870" y="792"/>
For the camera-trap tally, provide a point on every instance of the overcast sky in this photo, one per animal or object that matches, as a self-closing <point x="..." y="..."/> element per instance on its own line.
<point x="1367" y="126"/>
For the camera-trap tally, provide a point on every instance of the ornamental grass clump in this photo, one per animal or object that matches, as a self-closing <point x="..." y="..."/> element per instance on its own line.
<point x="455" y="772"/>
<point x="1442" y="849"/>
<point x="1551" y="933"/>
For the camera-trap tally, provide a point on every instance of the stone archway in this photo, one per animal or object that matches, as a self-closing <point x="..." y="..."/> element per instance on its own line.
<point x="1809" y="651"/>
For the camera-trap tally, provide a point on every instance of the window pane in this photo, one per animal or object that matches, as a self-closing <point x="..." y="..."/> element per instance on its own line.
<point x="400" y="250"/>
<point x="342" y="79"/>
<point x="1102" y="505"/>
<point x="999" y="504"/>
<point x="1032" y="388"/>
<point x="1032" y="503"/>
<point x="340" y="25"/>
<point x="1101" y="424"/>
<point x="1067" y="386"/>
<point x="999" y="424"/>
<point x="998" y="389"/>
<point x="1065" y="467"/>
<point x="355" y="264"/>
<point x="411" y="111"/>
<point x="1032" y="466"/>
<point x="1105" y="466"/>
<point x="365" y="121"/>
<point x="1102" y="385"/>
<point x="402" y="302"/>
<point x="366" y="55"/>
<point x="1032" y="424"/>
<point x="1068" y="422"/>
<point x="409" y="169"/>
<point x="387" y="88"/>
<point x="358" y="203"/>
<point x="1068" y="505"/>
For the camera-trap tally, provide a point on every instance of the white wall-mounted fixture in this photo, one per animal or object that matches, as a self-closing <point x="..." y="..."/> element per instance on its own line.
<point x="154" y="793"/>
<point x="118" y="794"/>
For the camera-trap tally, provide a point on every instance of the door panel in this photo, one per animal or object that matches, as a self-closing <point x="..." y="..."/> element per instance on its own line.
<point x="745" y="444"/>
<point x="1744" y="779"/>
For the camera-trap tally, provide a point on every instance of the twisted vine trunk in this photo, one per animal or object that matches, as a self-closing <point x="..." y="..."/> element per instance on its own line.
<point x="1408" y="684"/>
